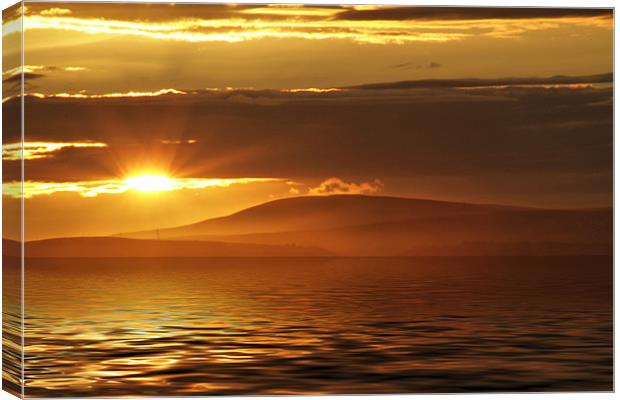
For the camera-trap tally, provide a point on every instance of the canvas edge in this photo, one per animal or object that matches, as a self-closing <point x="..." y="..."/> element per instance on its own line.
<point x="12" y="210"/>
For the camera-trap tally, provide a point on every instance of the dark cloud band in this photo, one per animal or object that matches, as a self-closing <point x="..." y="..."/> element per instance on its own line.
<point x="452" y="83"/>
<point x="470" y="13"/>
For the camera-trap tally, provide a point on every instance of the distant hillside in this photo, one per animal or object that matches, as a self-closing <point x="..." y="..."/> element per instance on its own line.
<point x="383" y="226"/>
<point x="119" y="247"/>
<point x="544" y="232"/>
<point x="320" y="212"/>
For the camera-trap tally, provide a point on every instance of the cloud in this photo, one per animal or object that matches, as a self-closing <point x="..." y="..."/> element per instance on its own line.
<point x="470" y="13"/>
<point x="422" y="133"/>
<point x="170" y="141"/>
<point x="462" y="83"/>
<point x="424" y="90"/>
<point x="234" y="30"/>
<point x="75" y="69"/>
<point x="412" y="65"/>
<point x="338" y="186"/>
<point x="224" y="23"/>
<point x="31" y="72"/>
<point x="27" y="76"/>
<point x="171" y="12"/>
<point x="116" y="186"/>
<point x="55" y="11"/>
<point x="386" y="90"/>
<point x="157" y="12"/>
<point x="39" y="68"/>
<point x="84" y="95"/>
<point x="37" y="150"/>
<point x="278" y="97"/>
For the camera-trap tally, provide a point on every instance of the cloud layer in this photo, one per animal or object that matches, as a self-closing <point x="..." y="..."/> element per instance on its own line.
<point x="550" y="138"/>
<point x="37" y="150"/>
<point x="465" y="83"/>
<point x="94" y="188"/>
<point x="217" y="23"/>
<point x="338" y="186"/>
<point x="469" y="13"/>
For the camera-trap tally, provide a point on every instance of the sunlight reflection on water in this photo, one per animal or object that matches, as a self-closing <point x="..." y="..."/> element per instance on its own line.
<point x="121" y="327"/>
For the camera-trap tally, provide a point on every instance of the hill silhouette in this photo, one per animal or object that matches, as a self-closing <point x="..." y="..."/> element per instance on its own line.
<point x="320" y="212"/>
<point x="356" y="225"/>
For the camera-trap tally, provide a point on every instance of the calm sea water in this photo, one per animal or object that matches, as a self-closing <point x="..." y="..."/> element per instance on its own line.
<point x="121" y="327"/>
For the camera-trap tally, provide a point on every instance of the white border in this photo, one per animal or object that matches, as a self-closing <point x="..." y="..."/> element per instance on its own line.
<point x="478" y="3"/>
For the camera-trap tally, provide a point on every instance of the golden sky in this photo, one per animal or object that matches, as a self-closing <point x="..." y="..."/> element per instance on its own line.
<point x="223" y="107"/>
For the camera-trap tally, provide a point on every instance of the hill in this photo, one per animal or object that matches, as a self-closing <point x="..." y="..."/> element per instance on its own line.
<point x="319" y="212"/>
<point x="385" y="226"/>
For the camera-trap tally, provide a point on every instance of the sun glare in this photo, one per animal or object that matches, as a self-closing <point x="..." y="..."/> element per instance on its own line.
<point x="149" y="183"/>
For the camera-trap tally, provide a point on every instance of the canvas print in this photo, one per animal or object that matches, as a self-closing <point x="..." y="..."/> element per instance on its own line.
<point x="298" y="199"/>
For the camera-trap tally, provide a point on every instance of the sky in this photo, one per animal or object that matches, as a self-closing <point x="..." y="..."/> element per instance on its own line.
<point x="142" y="116"/>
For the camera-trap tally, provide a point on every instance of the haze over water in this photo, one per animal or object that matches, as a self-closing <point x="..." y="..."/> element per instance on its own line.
<point x="189" y="326"/>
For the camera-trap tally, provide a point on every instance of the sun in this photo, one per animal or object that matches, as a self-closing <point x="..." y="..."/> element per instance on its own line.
<point x="149" y="183"/>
